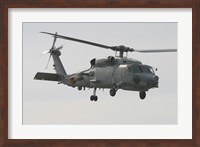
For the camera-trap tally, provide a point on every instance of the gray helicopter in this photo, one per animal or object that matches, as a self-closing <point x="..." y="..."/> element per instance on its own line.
<point x="114" y="72"/>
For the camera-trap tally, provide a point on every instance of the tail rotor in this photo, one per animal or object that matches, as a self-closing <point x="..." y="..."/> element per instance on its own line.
<point x="52" y="50"/>
<point x="48" y="62"/>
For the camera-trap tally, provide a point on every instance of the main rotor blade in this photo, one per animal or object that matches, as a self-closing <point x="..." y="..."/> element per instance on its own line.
<point x="120" y="48"/>
<point x="156" y="51"/>
<point x="79" y="40"/>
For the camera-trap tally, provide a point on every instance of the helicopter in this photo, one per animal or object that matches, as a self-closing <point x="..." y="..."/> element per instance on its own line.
<point x="113" y="72"/>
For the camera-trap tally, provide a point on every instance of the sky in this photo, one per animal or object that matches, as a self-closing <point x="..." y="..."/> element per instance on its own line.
<point x="49" y="103"/>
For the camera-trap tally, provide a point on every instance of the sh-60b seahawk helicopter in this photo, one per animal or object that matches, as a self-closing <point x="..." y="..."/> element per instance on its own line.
<point x="114" y="72"/>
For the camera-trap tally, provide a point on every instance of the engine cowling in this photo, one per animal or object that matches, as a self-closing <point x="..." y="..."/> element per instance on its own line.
<point x="73" y="79"/>
<point x="111" y="60"/>
<point x="92" y="62"/>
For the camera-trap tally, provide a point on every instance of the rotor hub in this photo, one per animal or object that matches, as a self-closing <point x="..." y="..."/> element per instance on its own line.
<point x="122" y="48"/>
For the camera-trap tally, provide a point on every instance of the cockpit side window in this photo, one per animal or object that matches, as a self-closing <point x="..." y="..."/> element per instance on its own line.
<point x="137" y="69"/>
<point x="140" y="69"/>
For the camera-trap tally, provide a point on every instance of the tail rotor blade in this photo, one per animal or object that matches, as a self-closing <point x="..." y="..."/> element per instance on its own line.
<point x="54" y="41"/>
<point x="59" y="48"/>
<point x="48" y="62"/>
<point x="45" y="52"/>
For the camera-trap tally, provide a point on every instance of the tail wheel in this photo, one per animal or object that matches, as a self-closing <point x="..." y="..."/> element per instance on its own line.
<point x="112" y="92"/>
<point x="142" y="95"/>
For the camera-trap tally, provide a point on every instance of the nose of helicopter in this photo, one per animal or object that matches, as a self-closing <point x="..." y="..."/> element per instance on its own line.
<point x="155" y="78"/>
<point x="154" y="81"/>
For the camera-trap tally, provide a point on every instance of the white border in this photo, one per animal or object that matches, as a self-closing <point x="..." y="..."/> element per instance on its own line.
<point x="181" y="131"/>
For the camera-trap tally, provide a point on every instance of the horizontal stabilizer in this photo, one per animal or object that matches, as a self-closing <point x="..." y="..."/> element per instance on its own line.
<point x="47" y="76"/>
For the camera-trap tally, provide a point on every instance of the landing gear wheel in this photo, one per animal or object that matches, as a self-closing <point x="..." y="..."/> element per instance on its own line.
<point x="93" y="98"/>
<point x="112" y="92"/>
<point x="142" y="95"/>
<point x="79" y="88"/>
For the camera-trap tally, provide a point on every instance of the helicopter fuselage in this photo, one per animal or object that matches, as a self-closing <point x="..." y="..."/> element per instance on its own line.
<point x="118" y="73"/>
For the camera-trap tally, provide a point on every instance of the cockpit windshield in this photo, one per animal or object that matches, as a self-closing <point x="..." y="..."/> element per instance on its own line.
<point x="147" y="69"/>
<point x="142" y="69"/>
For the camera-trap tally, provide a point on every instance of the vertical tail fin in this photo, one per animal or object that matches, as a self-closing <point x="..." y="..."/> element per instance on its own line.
<point x="57" y="63"/>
